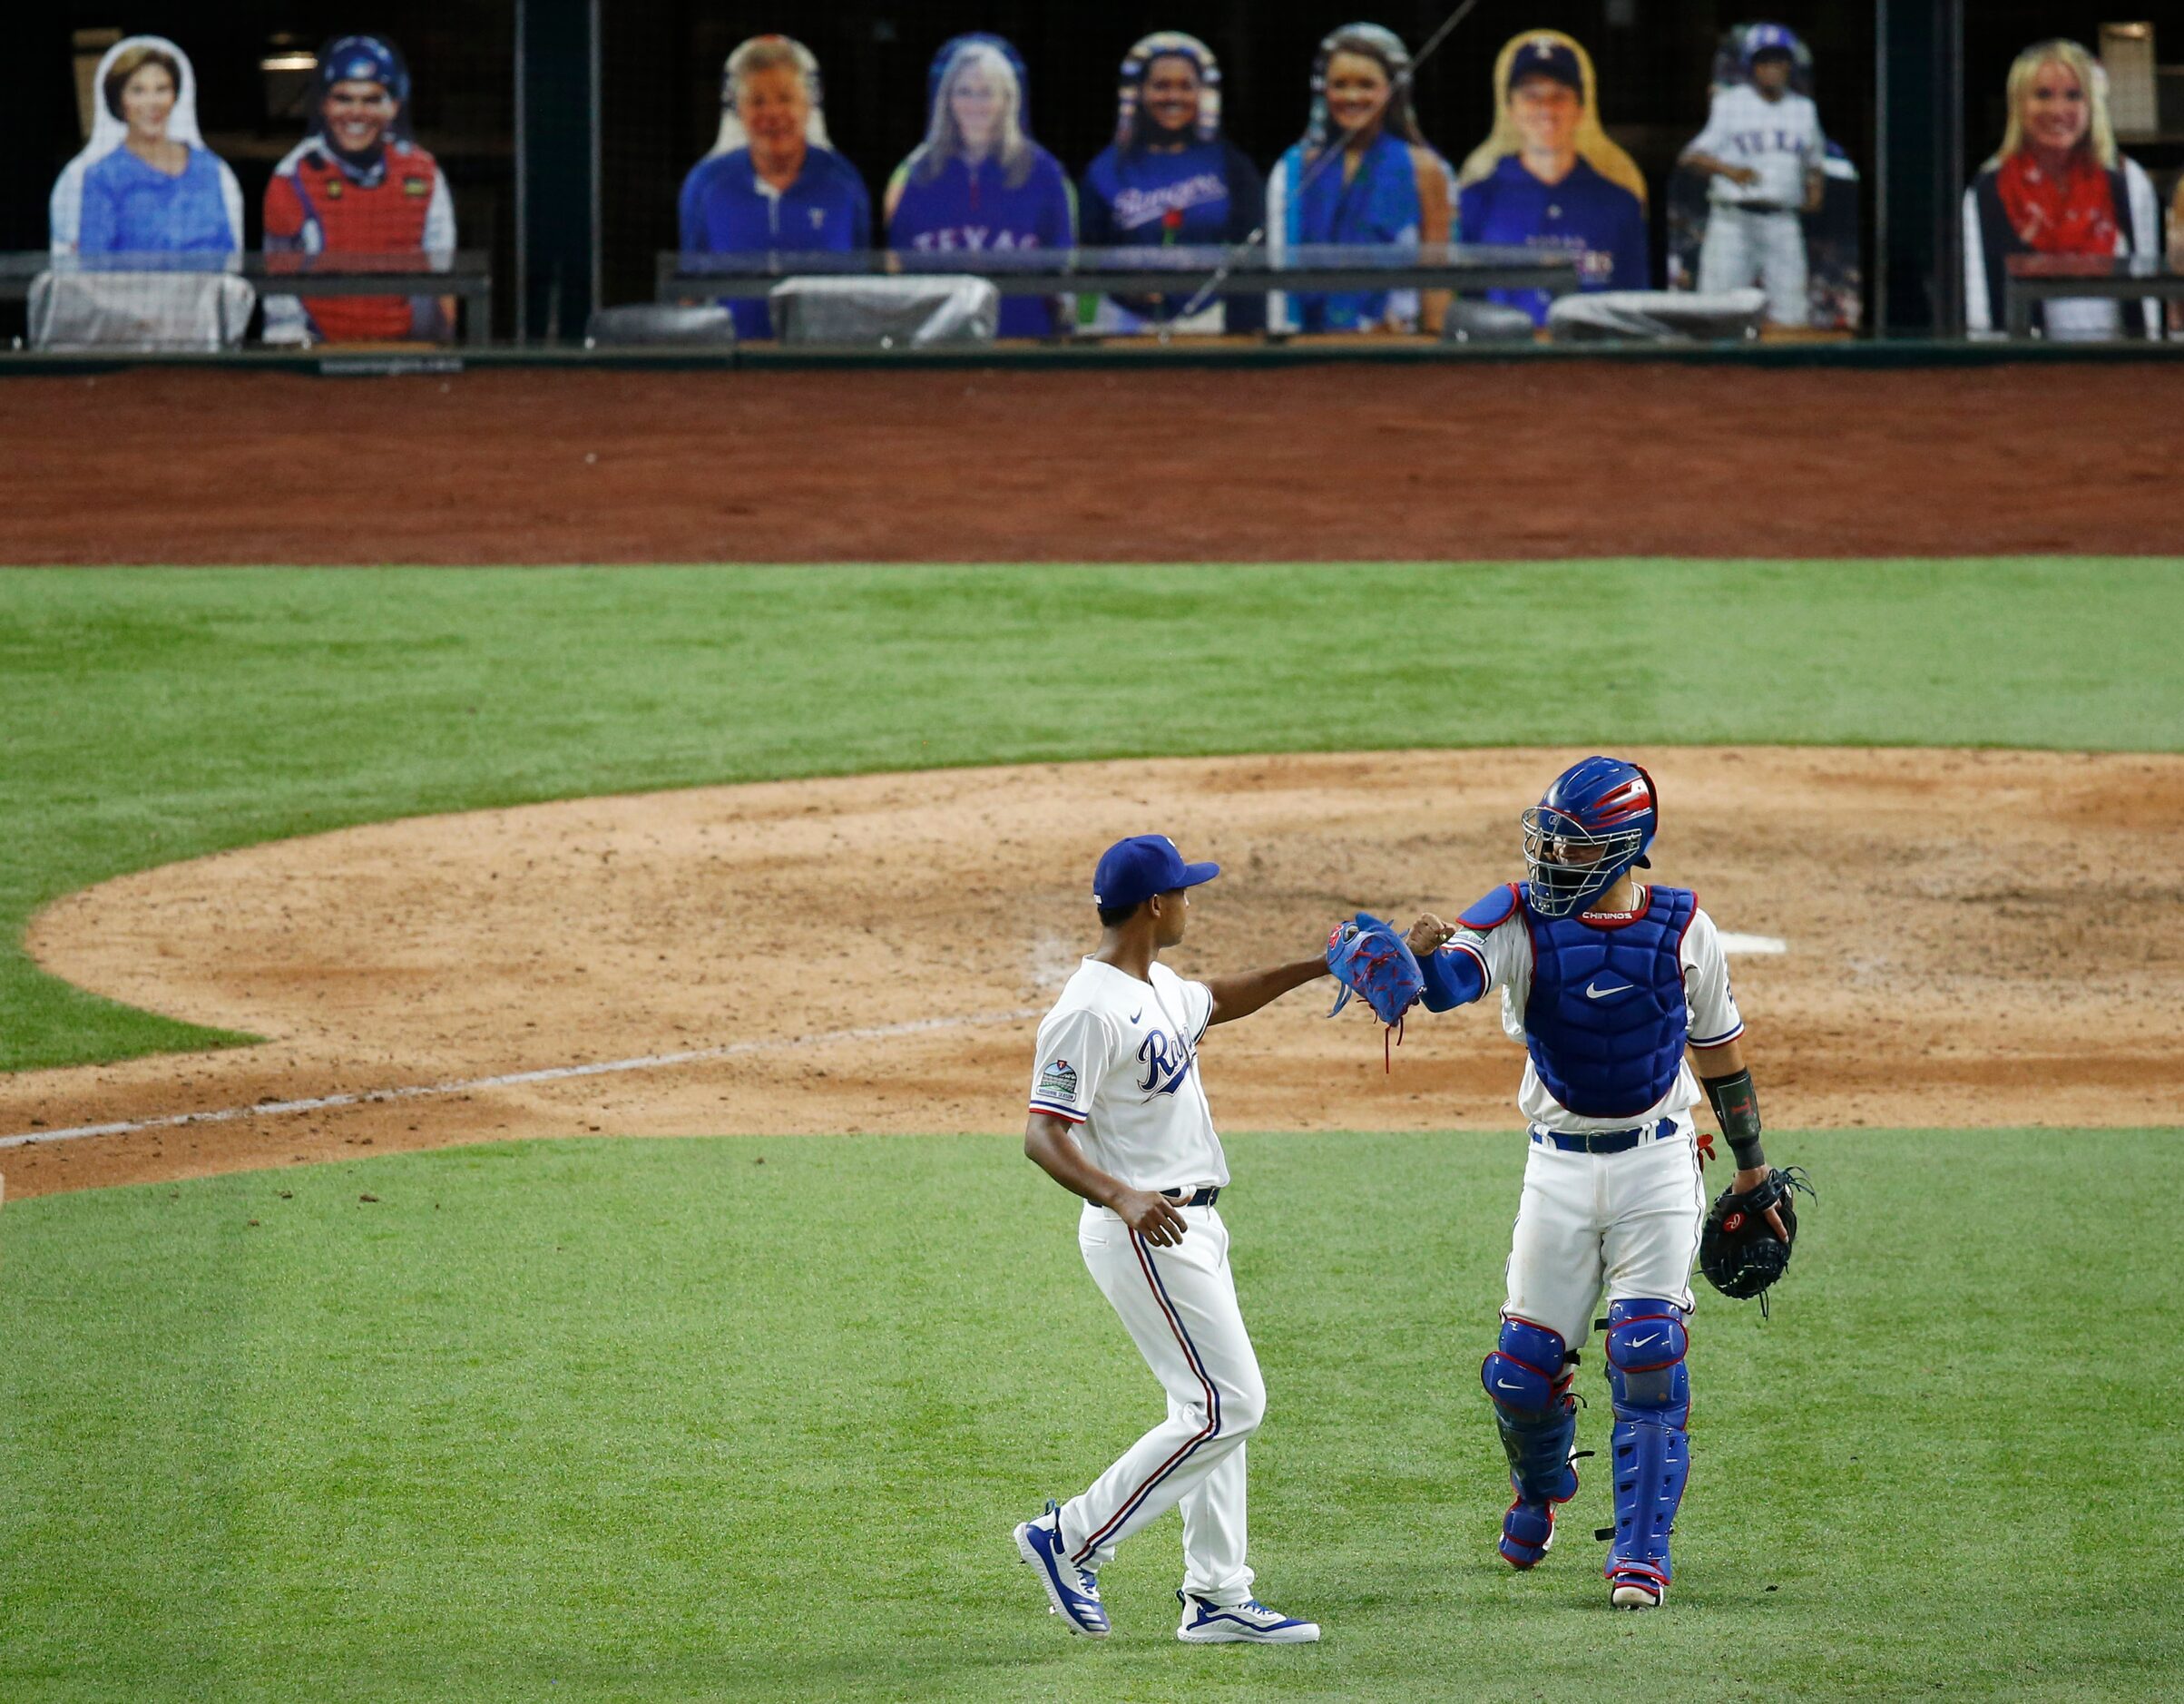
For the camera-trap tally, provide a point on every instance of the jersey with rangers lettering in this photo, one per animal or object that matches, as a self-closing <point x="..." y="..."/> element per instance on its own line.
<point x="1202" y="195"/>
<point x="1117" y="1058"/>
<point x="318" y="204"/>
<point x="1500" y="948"/>
<point x="1780" y="140"/>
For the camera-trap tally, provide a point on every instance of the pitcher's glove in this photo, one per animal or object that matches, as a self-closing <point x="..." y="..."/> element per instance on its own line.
<point x="1371" y="958"/>
<point x="1739" y="1250"/>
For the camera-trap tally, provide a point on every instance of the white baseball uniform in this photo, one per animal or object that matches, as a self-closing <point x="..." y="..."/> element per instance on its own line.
<point x="1117" y="1058"/>
<point x="1753" y="231"/>
<point x="1630" y="1221"/>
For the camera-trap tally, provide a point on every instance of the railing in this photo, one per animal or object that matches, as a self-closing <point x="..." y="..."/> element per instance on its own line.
<point x="1177" y="273"/>
<point x="2028" y="279"/>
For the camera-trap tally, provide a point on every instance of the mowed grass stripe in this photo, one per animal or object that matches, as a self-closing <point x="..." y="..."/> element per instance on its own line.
<point x="152" y="715"/>
<point x="731" y="1417"/>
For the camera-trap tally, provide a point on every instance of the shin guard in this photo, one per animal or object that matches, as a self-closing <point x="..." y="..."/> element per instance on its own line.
<point x="1646" y="1344"/>
<point x="1527" y="1376"/>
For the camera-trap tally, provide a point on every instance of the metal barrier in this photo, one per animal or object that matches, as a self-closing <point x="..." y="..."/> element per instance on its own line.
<point x="1178" y="273"/>
<point x="2028" y="279"/>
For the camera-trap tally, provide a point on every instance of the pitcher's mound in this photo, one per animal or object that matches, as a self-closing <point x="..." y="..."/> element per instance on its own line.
<point x="1964" y="938"/>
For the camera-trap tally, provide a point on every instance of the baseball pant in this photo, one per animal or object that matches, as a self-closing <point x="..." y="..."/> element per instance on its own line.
<point x="1180" y="1305"/>
<point x="1627" y="1223"/>
<point x="1740" y="248"/>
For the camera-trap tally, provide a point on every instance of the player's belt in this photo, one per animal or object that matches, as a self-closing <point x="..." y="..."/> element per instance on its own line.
<point x="1204" y="1196"/>
<point x="1604" y="1142"/>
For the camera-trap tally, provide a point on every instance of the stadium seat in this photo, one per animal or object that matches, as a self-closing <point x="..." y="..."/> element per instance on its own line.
<point x="207" y="311"/>
<point x="639" y="325"/>
<point x="1657" y="316"/>
<point x="886" y="313"/>
<point x="1485" y="322"/>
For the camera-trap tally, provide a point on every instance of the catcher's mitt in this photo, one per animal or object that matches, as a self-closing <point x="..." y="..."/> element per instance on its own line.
<point x="1371" y="958"/>
<point x="1738" y="1250"/>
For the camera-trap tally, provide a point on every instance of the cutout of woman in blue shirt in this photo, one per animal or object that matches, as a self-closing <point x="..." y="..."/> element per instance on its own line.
<point x="771" y="183"/>
<point x="146" y="184"/>
<point x="1388" y="186"/>
<point x="979" y="184"/>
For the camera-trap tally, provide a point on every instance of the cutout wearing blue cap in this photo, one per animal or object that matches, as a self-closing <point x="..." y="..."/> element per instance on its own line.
<point x="1132" y="871"/>
<point x="1546" y="56"/>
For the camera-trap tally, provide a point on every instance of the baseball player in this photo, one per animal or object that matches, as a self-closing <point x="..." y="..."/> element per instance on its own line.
<point x="1119" y="1116"/>
<point x="358" y="185"/>
<point x="1618" y="990"/>
<point x="1763" y="152"/>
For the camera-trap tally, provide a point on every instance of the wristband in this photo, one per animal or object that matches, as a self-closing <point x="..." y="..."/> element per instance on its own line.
<point x="1737" y="1108"/>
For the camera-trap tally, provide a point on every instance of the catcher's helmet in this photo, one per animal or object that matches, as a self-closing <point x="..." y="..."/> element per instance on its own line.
<point x="1594" y="823"/>
<point x="363" y="59"/>
<point x="1768" y="38"/>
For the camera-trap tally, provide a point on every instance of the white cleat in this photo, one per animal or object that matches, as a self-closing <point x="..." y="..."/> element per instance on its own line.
<point x="1249" y="1623"/>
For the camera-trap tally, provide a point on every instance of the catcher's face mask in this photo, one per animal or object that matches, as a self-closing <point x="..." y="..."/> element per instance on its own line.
<point x="1570" y="865"/>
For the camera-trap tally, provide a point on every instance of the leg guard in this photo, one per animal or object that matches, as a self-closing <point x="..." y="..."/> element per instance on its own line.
<point x="1528" y="1377"/>
<point x="1652" y="1391"/>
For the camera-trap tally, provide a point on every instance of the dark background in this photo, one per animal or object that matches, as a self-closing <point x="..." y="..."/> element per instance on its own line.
<point x="660" y="68"/>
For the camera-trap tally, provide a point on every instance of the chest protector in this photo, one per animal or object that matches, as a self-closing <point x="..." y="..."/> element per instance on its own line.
<point x="1606" y="1020"/>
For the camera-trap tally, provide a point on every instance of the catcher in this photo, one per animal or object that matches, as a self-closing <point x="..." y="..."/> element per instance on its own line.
<point x="1618" y="990"/>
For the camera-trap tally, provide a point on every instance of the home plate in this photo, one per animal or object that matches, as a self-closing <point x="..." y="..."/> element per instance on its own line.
<point x="1763" y="944"/>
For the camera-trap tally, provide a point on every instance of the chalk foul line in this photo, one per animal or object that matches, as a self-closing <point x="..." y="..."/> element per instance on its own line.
<point x="551" y="1073"/>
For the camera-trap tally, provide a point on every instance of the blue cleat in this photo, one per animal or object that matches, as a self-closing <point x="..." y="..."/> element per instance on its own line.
<point x="1072" y="1592"/>
<point x="1252" y="1623"/>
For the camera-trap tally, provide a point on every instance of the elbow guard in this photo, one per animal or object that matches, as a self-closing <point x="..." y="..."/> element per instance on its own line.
<point x="1737" y="1108"/>
<point x="1451" y="977"/>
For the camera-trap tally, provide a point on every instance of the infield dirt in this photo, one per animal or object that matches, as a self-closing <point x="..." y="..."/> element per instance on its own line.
<point x="1473" y="460"/>
<point x="1972" y="938"/>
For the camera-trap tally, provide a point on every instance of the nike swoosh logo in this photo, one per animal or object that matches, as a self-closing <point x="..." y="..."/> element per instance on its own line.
<point x="1593" y="991"/>
<point x="1639" y="1342"/>
<point x="1139" y="1013"/>
<point x="1505" y="1385"/>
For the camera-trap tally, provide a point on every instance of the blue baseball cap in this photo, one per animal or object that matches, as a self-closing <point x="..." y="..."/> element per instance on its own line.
<point x="1768" y="38"/>
<point x="1544" y="56"/>
<point x="1132" y="871"/>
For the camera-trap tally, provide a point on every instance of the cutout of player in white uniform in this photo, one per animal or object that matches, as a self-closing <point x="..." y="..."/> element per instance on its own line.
<point x="1764" y="155"/>
<point x="1119" y="1116"/>
<point x="1617" y="991"/>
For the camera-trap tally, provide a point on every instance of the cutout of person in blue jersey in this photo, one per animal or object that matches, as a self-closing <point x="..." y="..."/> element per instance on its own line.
<point x="1389" y="186"/>
<point x="771" y="183"/>
<point x="1549" y="178"/>
<point x="1171" y="180"/>
<point x="145" y="184"/>
<point x="978" y="183"/>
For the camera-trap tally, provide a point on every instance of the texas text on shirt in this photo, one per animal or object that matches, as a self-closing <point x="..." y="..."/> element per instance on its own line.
<point x="1779" y="141"/>
<point x="1503" y="956"/>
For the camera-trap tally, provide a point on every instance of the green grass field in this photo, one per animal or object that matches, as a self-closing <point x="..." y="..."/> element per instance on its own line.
<point x="725" y="1418"/>
<point x="658" y="1421"/>
<point x="157" y="715"/>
